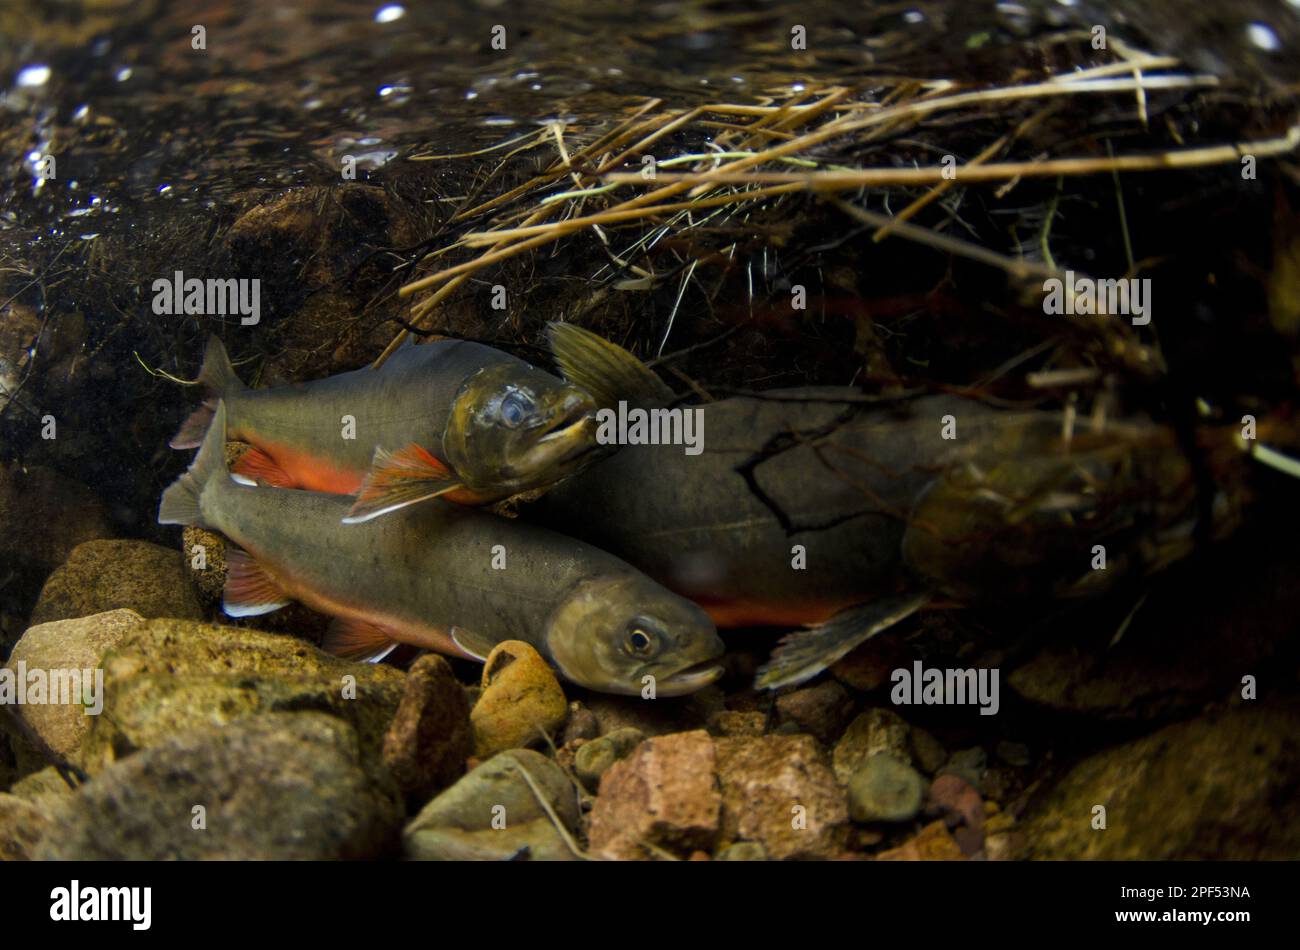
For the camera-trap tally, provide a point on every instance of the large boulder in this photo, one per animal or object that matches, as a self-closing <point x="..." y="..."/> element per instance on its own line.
<point x="1223" y="786"/>
<point x="281" y="786"/>
<point x="60" y="648"/>
<point x="172" y="675"/>
<point x="106" y="575"/>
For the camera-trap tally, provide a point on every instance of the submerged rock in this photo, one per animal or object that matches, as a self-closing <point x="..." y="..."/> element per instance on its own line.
<point x="873" y="732"/>
<point x="521" y="700"/>
<point x="282" y="786"/>
<point x="885" y="789"/>
<point x="931" y="843"/>
<point x="64" y="646"/>
<point x="663" y="798"/>
<point x="106" y="575"/>
<point x="743" y="851"/>
<point x="593" y="758"/>
<point x="430" y="737"/>
<point x="654" y="717"/>
<point x="780" y="792"/>
<point x="821" y="711"/>
<point x="22" y="824"/>
<point x="494" y="813"/>
<point x="171" y="675"/>
<point x="1223" y="786"/>
<point x="736" y="722"/>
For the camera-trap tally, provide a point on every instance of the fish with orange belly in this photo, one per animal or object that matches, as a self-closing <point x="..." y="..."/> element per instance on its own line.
<point x="819" y="507"/>
<point x="431" y="575"/>
<point x="450" y="418"/>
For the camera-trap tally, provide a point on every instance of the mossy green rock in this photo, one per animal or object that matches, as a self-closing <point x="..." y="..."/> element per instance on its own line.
<point x="105" y="575"/>
<point x="172" y="675"/>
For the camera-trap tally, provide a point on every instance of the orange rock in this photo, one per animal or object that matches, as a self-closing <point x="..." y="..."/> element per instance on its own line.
<point x="931" y="843"/>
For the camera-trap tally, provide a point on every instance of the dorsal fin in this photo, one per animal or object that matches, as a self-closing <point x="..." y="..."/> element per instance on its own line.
<point x="605" y="370"/>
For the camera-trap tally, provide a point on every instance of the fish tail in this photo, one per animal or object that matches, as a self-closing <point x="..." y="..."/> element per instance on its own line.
<point x="217" y="377"/>
<point x="180" y="502"/>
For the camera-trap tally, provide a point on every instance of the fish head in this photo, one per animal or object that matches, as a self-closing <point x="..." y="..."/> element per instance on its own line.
<point x="513" y="427"/>
<point x="620" y="634"/>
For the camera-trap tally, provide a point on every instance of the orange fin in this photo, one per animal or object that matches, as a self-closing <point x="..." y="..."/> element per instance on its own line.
<point x="250" y="591"/>
<point x="258" y="467"/>
<point x="355" y="639"/>
<point x="398" y="479"/>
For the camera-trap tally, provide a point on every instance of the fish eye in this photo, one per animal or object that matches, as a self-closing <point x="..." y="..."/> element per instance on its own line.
<point x="514" y="408"/>
<point x="641" y="642"/>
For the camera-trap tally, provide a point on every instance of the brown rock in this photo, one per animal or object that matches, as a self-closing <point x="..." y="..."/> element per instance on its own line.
<point x="955" y="798"/>
<point x="822" y="710"/>
<point x="104" y="575"/>
<point x="281" y="786"/>
<point x="779" y="791"/>
<point x="664" y="796"/>
<point x="931" y="843"/>
<point x="870" y="665"/>
<point x="21" y="826"/>
<point x="654" y="717"/>
<point x="581" y="724"/>
<point x="730" y="722"/>
<point x="1222" y="786"/>
<point x="430" y="737"/>
<point x="929" y="753"/>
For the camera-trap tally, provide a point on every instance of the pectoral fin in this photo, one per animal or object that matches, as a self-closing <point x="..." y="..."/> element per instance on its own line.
<point x="255" y="467"/>
<point x="605" y="370"/>
<point x="803" y="654"/>
<point x="249" y="591"/>
<point x="398" y="479"/>
<point x="355" y="639"/>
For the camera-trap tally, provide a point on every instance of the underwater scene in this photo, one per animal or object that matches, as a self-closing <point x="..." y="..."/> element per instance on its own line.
<point x="654" y="430"/>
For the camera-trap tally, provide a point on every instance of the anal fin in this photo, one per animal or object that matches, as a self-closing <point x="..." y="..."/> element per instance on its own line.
<point x="249" y="591"/>
<point x="398" y="479"/>
<point x="256" y="467"/>
<point x="356" y="639"/>
<point x="803" y="654"/>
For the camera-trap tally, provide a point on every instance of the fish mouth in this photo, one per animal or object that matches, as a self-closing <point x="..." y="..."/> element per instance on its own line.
<point x="691" y="678"/>
<point x="572" y="435"/>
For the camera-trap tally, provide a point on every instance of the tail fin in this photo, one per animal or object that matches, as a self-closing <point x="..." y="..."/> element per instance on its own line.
<point x="217" y="377"/>
<point x="180" y="502"/>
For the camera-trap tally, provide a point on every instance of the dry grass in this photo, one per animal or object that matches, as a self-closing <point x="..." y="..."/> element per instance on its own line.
<point x="810" y="142"/>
